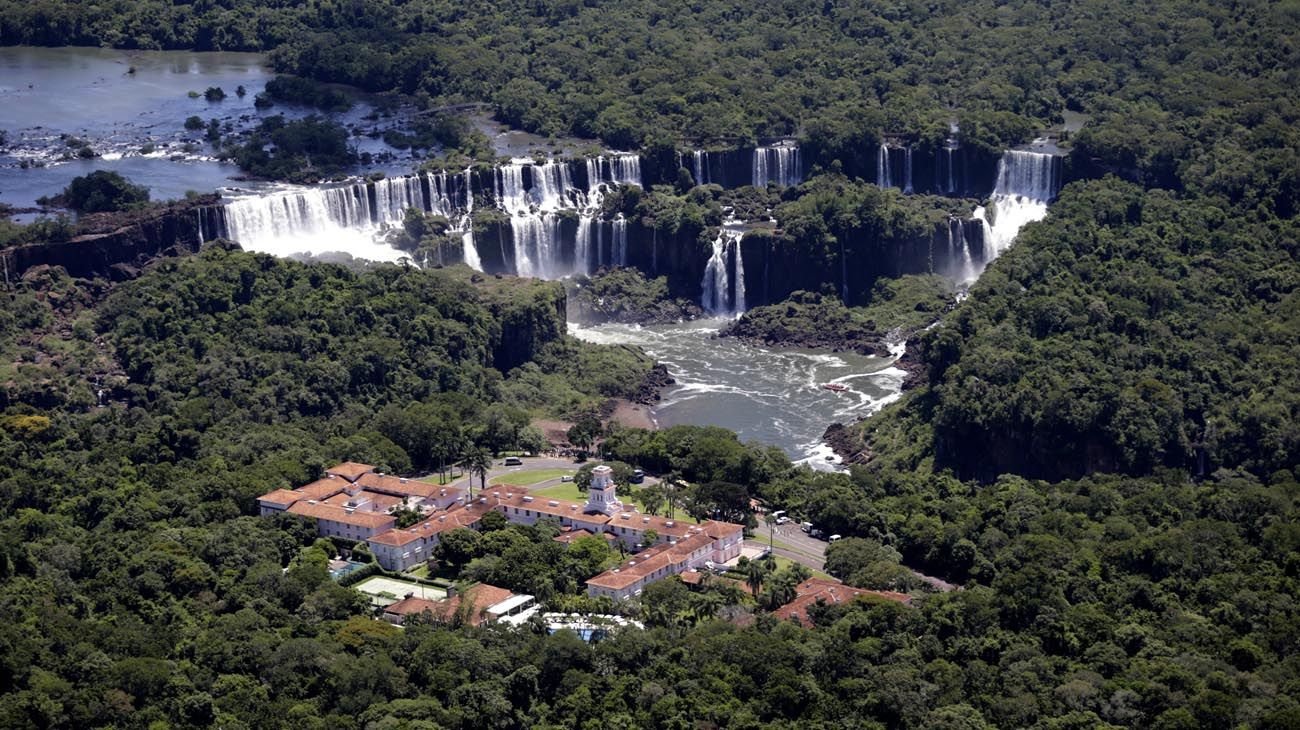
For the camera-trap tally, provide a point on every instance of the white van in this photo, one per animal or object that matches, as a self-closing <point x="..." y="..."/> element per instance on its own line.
<point x="835" y="537"/>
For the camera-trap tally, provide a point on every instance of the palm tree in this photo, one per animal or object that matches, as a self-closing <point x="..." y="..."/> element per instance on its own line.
<point x="755" y="573"/>
<point x="671" y="484"/>
<point x="479" y="462"/>
<point x="771" y="531"/>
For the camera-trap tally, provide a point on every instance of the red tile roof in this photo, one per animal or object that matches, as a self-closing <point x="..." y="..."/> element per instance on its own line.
<point x="360" y="518"/>
<point x="830" y="592"/>
<point x="368" y="500"/>
<point x="572" y="535"/>
<point x="281" y="496"/>
<point x="650" y="561"/>
<point x="549" y="507"/>
<point x="481" y="597"/>
<point x="692" y="577"/>
<point x="322" y="488"/>
<point x="400" y="486"/>
<point x="449" y="519"/>
<point x="350" y="470"/>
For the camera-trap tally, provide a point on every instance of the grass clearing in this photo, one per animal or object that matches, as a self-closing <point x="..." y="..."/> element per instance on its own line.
<point x="531" y="476"/>
<point x="784" y="562"/>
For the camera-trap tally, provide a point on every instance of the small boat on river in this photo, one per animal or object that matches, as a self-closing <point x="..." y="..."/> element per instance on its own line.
<point x="835" y="387"/>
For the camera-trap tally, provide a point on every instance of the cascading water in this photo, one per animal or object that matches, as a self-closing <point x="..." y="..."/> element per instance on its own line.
<point x="778" y="165"/>
<point x="739" y="305"/>
<point x="717" y="297"/>
<point x="907" y="170"/>
<point x="620" y="241"/>
<point x="959" y="251"/>
<point x="582" y="246"/>
<point x="700" y="163"/>
<point x="467" y="242"/>
<point x="312" y="221"/>
<point x="883" y="176"/>
<point x="951" y="187"/>
<point x="1027" y="181"/>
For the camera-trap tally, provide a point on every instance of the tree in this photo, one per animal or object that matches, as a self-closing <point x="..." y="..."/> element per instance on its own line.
<point x="104" y="191"/>
<point x="755" y="573"/>
<point x="457" y="547"/>
<point x="584" y="431"/>
<point x="478" y="464"/>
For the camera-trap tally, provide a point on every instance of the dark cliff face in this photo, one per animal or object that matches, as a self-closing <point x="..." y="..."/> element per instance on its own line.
<point x="775" y="265"/>
<point x="527" y="323"/>
<point x="117" y="245"/>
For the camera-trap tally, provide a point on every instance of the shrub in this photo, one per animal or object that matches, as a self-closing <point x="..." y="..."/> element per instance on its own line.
<point x="103" y="191"/>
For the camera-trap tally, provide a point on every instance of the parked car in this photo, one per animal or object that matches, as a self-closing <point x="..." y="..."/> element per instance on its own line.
<point x="514" y="461"/>
<point x="566" y="478"/>
<point x="835" y="537"/>
<point x="814" y="532"/>
<point x="782" y="520"/>
<point x="638" y="476"/>
<point x="805" y="526"/>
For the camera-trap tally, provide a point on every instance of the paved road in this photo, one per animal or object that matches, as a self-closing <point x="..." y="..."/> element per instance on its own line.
<point x="812" y="552"/>
<point x="792" y="543"/>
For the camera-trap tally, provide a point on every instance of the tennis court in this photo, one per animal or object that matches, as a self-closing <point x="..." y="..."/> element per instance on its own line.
<point x="386" y="591"/>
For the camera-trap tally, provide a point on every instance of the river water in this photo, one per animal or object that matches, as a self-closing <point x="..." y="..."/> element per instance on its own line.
<point x="122" y="103"/>
<point x="770" y="396"/>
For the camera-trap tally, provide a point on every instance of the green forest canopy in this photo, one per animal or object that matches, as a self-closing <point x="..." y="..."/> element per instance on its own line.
<point x="1105" y="452"/>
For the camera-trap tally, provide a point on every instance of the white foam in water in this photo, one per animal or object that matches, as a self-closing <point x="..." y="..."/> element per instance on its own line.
<point x="770" y="396"/>
<point x="1027" y="182"/>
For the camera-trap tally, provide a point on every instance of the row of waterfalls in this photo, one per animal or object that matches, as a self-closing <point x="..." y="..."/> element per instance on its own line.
<point x="554" y="222"/>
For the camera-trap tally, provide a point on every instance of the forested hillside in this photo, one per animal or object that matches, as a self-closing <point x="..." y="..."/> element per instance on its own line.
<point x="1102" y="447"/>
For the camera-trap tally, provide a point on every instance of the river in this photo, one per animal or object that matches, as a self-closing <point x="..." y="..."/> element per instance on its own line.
<point x="130" y="107"/>
<point x="765" y="395"/>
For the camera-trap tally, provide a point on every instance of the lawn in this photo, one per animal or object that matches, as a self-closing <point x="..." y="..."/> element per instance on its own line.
<point x="572" y="493"/>
<point x="783" y="562"/>
<point x="531" y="476"/>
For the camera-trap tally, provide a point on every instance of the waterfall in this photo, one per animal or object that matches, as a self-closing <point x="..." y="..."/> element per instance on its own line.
<point x="700" y="162"/>
<point x="309" y="220"/>
<point x="654" y="251"/>
<point x="716" y="298"/>
<point x="739" y="305"/>
<point x="620" y="241"/>
<point x="907" y="170"/>
<point x="626" y="169"/>
<point x="1026" y="183"/>
<point x="552" y="187"/>
<point x="536" y="197"/>
<point x="536" y="250"/>
<point x="582" y="246"/>
<point x="1032" y="175"/>
<point x="620" y="169"/>
<point x="468" y="246"/>
<point x="951" y="188"/>
<point x="393" y="195"/>
<point x="883" y="176"/>
<point x="511" y="195"/>
<point x="778" y="165"/>
<point x="961" y="265"/>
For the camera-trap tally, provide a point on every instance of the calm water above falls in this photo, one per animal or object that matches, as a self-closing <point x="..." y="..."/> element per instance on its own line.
<point x="90" y="94"/>
<point x="770" y="396"/>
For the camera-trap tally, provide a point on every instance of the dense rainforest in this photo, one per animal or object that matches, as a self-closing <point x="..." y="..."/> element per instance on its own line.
<point x="1101" y="444"/>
